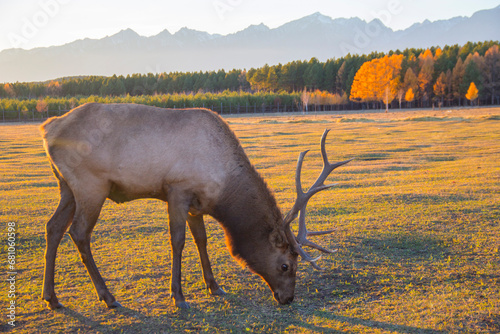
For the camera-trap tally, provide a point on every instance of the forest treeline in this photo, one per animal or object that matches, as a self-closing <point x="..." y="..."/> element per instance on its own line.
<point x="224" y="102"/>
<point x="413" y="77"/>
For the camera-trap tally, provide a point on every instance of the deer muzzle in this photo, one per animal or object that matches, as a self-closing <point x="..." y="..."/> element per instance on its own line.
<point x="283" y="298"/>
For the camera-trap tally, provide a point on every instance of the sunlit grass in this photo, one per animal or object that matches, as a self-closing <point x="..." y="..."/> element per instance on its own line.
<point x="418" y="233"/>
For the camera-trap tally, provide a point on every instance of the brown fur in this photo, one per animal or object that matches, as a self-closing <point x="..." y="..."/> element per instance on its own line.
<point x="189" y="158"/>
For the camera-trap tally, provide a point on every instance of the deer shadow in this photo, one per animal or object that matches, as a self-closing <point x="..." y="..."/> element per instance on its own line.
<point x="137" y="322"/>
<point x="369" y="324"/>
<point x="170" y="323"/>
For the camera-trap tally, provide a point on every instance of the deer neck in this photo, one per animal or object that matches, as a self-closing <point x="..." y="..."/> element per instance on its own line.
<point x="248" y="212"/>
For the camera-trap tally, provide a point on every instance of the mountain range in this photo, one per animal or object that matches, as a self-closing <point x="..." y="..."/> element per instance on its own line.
<point x="315" y="35"/>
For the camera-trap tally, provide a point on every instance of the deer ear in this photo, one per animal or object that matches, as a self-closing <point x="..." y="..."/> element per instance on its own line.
<point x="277" y="239"/>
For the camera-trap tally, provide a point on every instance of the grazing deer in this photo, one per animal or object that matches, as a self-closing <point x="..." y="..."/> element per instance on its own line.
<point x="188" y="158"/>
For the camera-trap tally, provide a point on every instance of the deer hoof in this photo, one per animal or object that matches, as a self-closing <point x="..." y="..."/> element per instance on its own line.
<point x="182" y="305"/>
<point x="218" y="292"/>
<point x="54" y="306"/>
<point x="114" y="304"/>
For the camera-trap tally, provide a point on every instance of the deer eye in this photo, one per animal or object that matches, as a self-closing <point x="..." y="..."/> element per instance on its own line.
<point x="284" y="267"/>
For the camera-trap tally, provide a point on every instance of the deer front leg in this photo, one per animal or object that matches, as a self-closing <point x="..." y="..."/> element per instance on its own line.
<point x="178" y="208"/>
<point x="197" y="227"/>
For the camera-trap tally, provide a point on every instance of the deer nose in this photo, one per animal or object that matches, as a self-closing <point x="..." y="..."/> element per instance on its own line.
<point x="283" y="300"/>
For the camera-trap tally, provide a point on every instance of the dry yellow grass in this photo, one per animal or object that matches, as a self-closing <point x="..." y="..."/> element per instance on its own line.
<point x="417" y="214"/>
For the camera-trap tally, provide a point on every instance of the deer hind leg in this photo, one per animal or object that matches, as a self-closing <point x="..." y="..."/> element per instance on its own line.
<point x="87" y="212"/>
<point x="197" y="227"/>
<point x="55" y="229"/>
<point x="178" y="206"/>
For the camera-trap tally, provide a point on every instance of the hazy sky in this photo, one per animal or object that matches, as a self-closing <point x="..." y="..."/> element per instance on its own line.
<point x="34" y="23"/>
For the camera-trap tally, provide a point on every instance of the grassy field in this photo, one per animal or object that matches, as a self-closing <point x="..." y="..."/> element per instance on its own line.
<point x="417" y="214"/>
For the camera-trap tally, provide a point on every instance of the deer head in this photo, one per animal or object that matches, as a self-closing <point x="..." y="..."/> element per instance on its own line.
<point x="276" y="262"/>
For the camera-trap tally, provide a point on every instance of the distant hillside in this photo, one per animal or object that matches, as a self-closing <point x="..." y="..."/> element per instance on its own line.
<point x="315" y="35"/>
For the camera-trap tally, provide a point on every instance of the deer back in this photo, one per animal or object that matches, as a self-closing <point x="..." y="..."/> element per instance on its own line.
<point x="139" y="150"/>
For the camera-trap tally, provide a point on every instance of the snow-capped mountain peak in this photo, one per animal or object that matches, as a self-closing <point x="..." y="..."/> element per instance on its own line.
<point x="315" y="35"/>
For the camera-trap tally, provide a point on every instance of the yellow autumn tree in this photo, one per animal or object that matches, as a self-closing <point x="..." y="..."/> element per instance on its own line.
<point x="377" y="80"/>
<point x="323" y="98"/>
<point x="472" y="93"/>
<point x="426" y="61"/>
<point x="54" y="88"/>
<point x="361" y="89"/>
<point x="41" y="106"/>
<point x="438" y="53"/>
<point x="440" y="87"/>
<point x="409" y="96"/>
<point x="9" y="90"/>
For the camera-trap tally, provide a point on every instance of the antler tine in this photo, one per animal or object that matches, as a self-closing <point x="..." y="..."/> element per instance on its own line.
<point x="301" y="204"/>
<point x="318" y="185"/>
<point x="303" y="233"/>
<point x="303" y="241"/>
<point x="298" y="249"/>
<point x="298" y="182"/>
<point x="327" y="167"/>
<point x="293" y="213"/>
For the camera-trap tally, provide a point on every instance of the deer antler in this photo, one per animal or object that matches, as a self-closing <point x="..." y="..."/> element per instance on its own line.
<point x="301" y="203"/>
